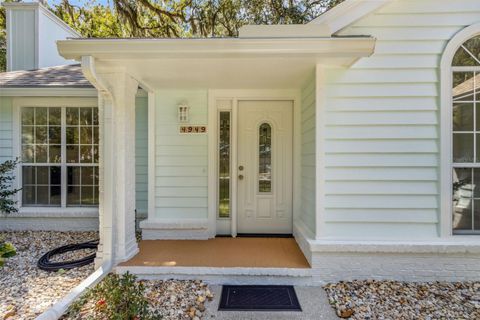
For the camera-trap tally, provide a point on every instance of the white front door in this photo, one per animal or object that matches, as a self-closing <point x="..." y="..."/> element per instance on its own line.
<point x="265" y="167"/>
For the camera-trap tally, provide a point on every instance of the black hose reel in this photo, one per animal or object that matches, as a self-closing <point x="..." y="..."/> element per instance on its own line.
<point x="44" y="262"/>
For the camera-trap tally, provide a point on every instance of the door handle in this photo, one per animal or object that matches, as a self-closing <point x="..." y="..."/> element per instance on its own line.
<point x="240" y="177"/>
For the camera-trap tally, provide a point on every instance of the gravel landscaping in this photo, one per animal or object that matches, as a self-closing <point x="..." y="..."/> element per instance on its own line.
<point x="171" y="300"/>
<point x="27" y="291"/>
<point x="405" y="300"/>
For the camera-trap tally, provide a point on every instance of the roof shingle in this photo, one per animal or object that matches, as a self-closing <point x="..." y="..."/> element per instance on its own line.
<point x="67" y="76"/>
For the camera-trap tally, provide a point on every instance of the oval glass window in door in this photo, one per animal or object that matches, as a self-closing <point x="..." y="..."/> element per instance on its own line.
<point x="265" y="158"/>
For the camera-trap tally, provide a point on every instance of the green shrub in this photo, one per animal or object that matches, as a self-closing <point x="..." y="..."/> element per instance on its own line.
<point x="7" y="203"/>
<point x="115" y="298"/>
<point x="7" y="250"/>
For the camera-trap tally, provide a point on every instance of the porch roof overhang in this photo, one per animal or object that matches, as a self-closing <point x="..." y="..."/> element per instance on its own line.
<point x="222" y="62"/>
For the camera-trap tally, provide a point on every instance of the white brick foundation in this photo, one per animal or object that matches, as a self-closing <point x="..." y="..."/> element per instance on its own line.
<point x="435" y="260"/>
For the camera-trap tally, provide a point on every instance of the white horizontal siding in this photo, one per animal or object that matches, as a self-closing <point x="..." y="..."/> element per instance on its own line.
<point x="308" y="207"/>
<point x="382" y="123"/>
<point x="181" y="160"/>
<point x="6" y="151"/>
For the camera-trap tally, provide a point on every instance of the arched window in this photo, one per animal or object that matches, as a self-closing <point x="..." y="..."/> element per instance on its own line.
<point x="465" y="137"/>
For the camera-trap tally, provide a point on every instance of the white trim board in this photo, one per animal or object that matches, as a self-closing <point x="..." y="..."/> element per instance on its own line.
<point x="446" y="129"/>
<point x="234" y="96"/>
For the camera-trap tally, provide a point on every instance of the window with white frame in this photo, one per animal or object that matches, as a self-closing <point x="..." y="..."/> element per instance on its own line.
<point x="59" y="153"/>
<point x="466" y="137"/>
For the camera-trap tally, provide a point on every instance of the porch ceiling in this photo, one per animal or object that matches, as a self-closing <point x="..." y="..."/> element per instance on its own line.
<point x="219" y="63"/>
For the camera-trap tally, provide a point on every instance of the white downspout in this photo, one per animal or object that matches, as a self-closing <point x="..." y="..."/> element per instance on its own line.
<point x="59" y="308"/>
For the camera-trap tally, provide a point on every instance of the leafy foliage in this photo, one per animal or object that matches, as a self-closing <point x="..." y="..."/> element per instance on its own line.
<point x="7" y="203"/>
<point x="7" y="250"/>
<point x="117" y="297"/>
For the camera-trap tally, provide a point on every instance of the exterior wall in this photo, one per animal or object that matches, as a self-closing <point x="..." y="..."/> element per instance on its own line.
<point x="21" y="40"/>
<point x="32" y="32"/>
<point x="5" y="128"/>
<point x="421" y="267"/>
<point x="382" y="124"/>
<point x="31" y="219"/>
<point x="51" y="30"/>
<point x="308" y="209"/>
<point x="180" y="160"/>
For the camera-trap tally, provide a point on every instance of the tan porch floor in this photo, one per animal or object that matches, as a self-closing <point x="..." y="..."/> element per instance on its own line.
<point x="220" y="252"/>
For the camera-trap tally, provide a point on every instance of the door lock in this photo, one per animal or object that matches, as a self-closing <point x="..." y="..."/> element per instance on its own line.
<point x="240" y="177"/>
<point x="240" y="168"/>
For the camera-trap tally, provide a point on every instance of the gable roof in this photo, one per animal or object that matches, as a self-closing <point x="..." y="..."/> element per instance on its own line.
<point x="67" y="76"/>
<point x="346" y="13"/>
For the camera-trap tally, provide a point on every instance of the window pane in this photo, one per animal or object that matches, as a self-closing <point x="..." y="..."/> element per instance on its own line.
<point x="54" y="154"/>
<point x="87" y="196"/>
<point x="224" y="166"/>
<point x="28" y="195"/>
<point x="463" y="86"/>
<point x="72" y="135"/>
<point x="463" y="117"/>
<point x="86" y="135"/>
<point x="41" y="135"/>
<point x="95" y="154"/>
<point x="54" y="116"/>
<point x="73" y="196"/>
<point x="55" y="175"/>
<point x="28" y="175"/>
<point x="41" y="186"/>
<point x="85" y="116"/>
<point x="87" y="175"/>
<point x="43" y="175"/>
<point x="86" y="154"/>
<point x="82" y="183"/>
<point x="41" y="154"/>
<point x="55" y="135"/>
<point x="473" y="47"/>
<point x="72" y="116"/>
<point x="28" y="115"/>
<point x="72" y="154"/>
<point x="462" y="147"/>
<point x="42" y="195"/>
<point x="463" y="58"/>
<point x="462" y="199"/>
<point x="28" y="134"/>
<point x="73" y="175"/>
<point x="265" y="158"/>
<point x="55" y="195"/>
<point x="28" y="154"/>
<point x="41" y="116"/>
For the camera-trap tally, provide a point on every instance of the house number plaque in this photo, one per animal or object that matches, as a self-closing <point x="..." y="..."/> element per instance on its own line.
<point x="193" y="129"/>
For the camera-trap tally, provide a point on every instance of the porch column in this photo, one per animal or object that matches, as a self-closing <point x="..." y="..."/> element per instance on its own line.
<point x="117" y="194"/>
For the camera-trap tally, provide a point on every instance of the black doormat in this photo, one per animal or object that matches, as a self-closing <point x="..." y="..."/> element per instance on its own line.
<point x="259" y="298"/>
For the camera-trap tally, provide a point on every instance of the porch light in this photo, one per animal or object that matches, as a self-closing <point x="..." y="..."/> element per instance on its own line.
<point x="183" y="112"/>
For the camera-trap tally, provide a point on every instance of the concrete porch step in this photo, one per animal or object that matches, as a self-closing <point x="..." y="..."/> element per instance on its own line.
<point x="215" y="275"/>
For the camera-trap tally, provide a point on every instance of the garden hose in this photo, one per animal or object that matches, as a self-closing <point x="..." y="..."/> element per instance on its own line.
<point x="44" y="262"/>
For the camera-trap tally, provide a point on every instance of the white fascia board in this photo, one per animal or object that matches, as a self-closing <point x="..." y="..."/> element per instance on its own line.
<point x="346" y="13"/>
<point x="47" y="92"/>
<point x="55" y="92"/>
<point x="284" y="31"/>
<point x="218" y="48"/>
<point x="45" y="11"/>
